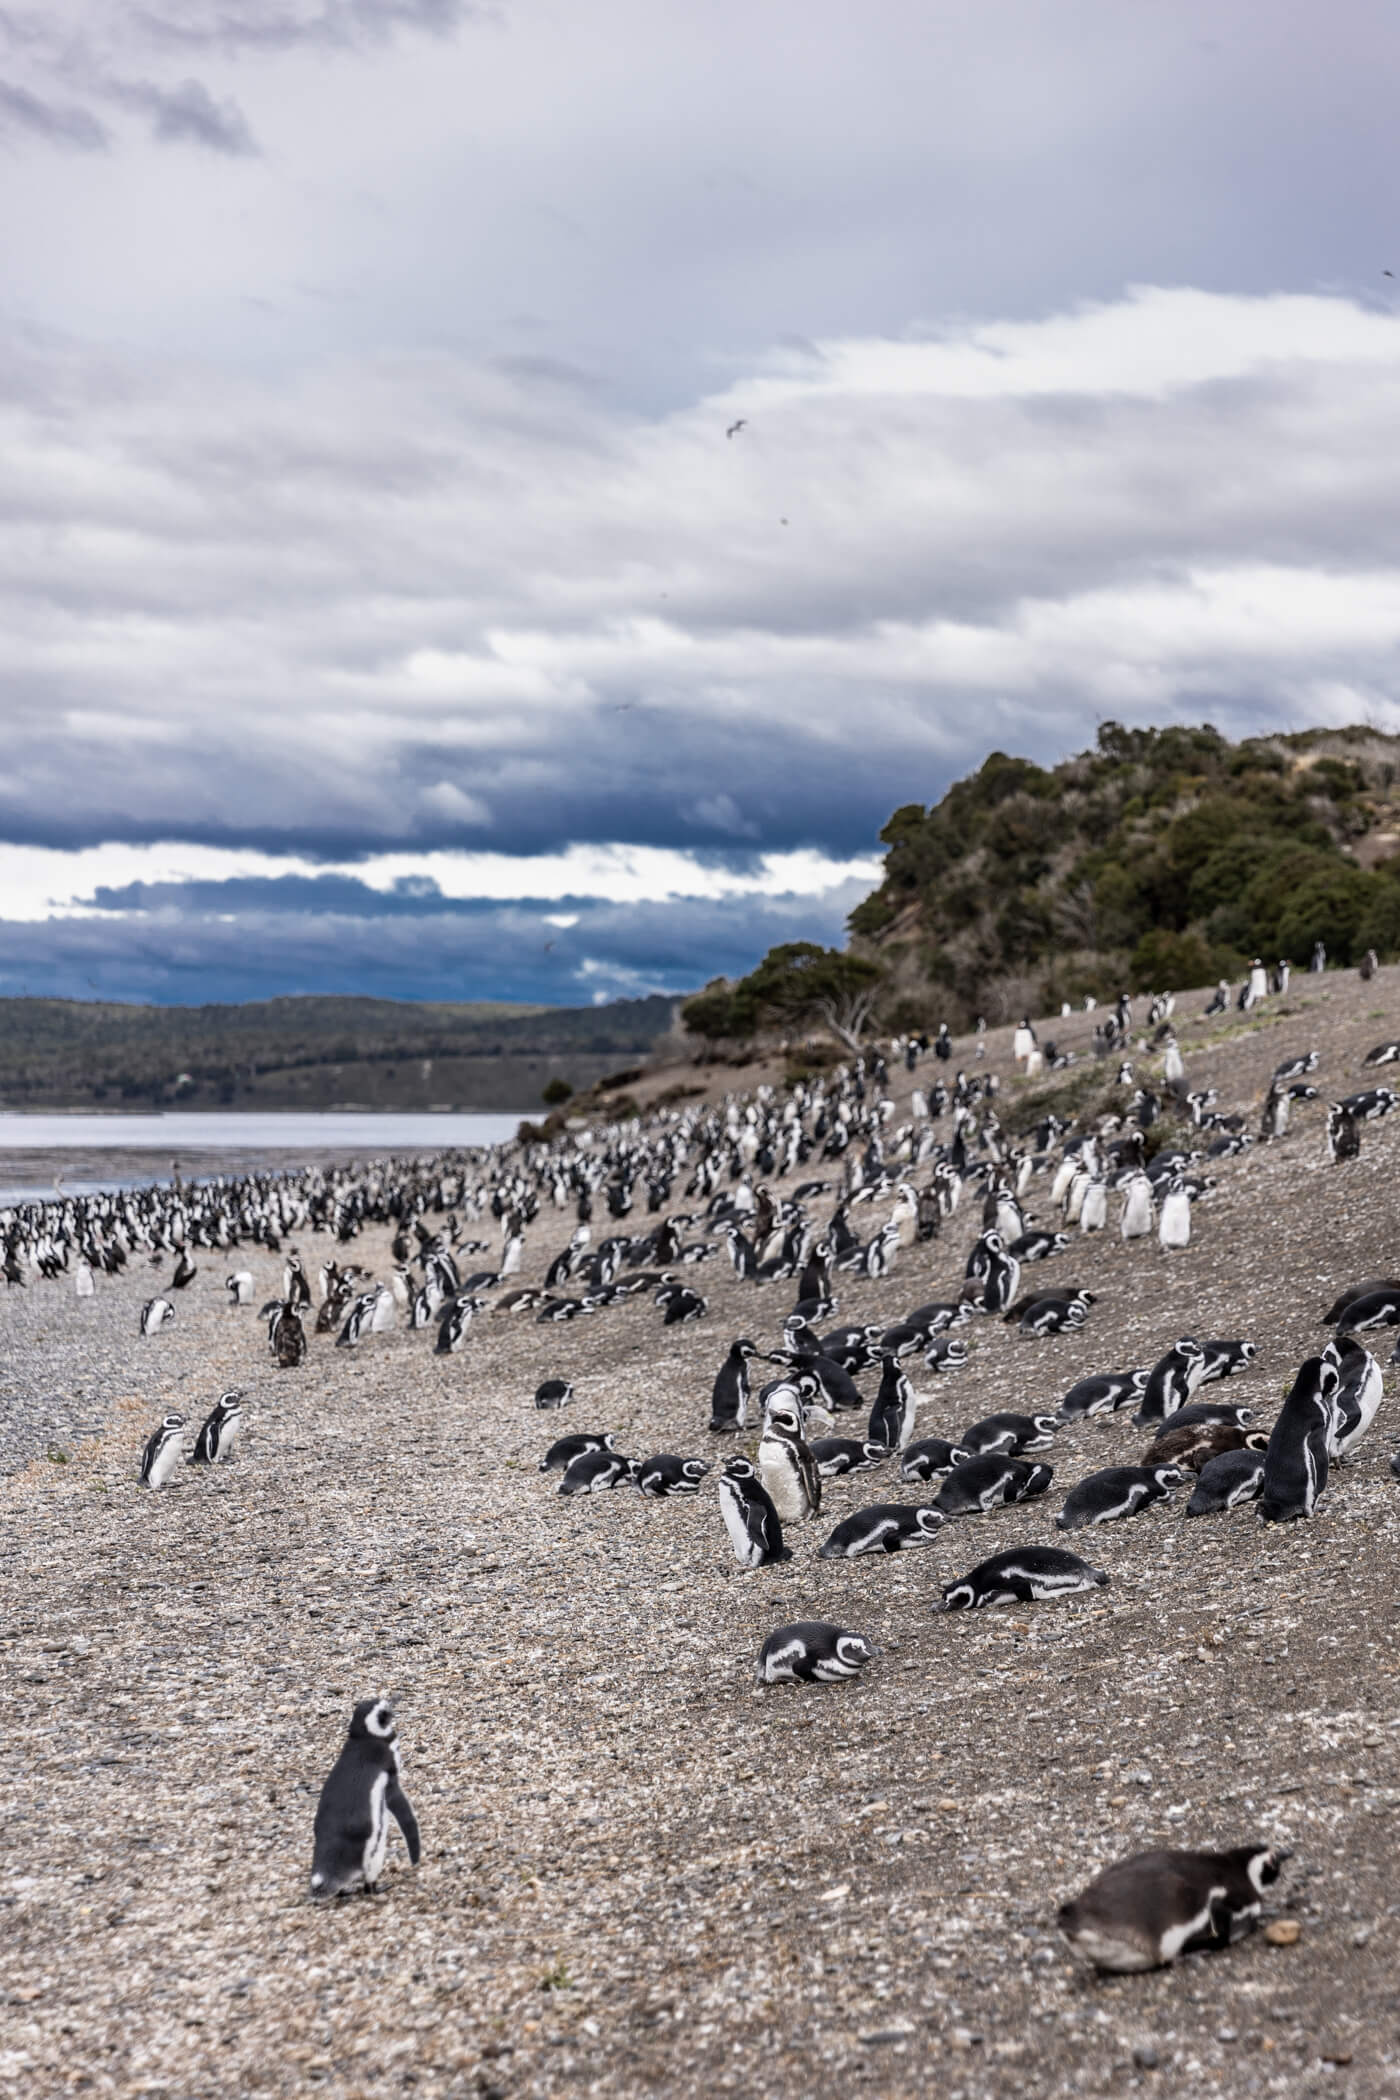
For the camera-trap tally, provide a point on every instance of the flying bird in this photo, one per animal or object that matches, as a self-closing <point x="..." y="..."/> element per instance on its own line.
<point x="735" y="428"/>
<point x="1387" y="273"/>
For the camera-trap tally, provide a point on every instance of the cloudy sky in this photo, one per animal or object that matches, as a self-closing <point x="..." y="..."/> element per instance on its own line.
<point x="383" y="605"/>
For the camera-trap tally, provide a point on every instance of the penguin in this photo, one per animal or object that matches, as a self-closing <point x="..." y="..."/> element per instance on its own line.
<point x="1343" y="1135"/>
<point x="1053" y="1316"/>
<point x="1009" y="1435"/>
<point x="946" y="1352"/>
<point x="884" y="1527"/>
<point x="452" y="1327"/>
<point x="786" y="1465"/>
<point x="287" y="1338"/>
<point x="1224" y="1481"/>
<point x="1204" y="1411"/>
<point x="1224" y="1359"/>
<point x="1093" y="1208"/>
<point x="1295" y="1463"/>
<point x="1144" y="1912"/>
<point x="669" y="1474"/>
<point x="239" y="1287"/>
<point x="185" y="1271"/>
<point x="729" y="1401"/>
<point x="1022" y="1575"/>
<point x="1116" y="1491"/>
<point x="754" y="1527"/>
<point x="930" y="1458"/>
<point x="1174" y="1220"/>
<point x="162" y="1452"/>
<point x="836" y="1455"/>
<point x="812" y="1651"/>
<point x="364" y="1788"/>
<point x="155" y="1314"/>
<point x="977" y="1485"/>
<point x="892" y="1416"/>
<point x="82" y="1279"/>
<point x="1038" y="1246"/>
<point x="214" y="1444"/>
<point x="1138" y="1207"/>
<point x="1102" y="1394"/>
<point x="1194" y="1444"/>
<point x="1369" y="1305"/>
<point x="1383" y="1054"/>
<point x="1172" y="1380"/>
<point x="594" y="1471"/>
<point x="553" y="1392"/>
<point x="1318" y="961"/>
<point x="1359" y="1394"/>
<point x="567" y="1448"/>
<point x="681" y="1304"/>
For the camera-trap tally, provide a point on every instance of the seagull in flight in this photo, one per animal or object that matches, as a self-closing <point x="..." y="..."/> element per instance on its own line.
<point x="735" y="428"/>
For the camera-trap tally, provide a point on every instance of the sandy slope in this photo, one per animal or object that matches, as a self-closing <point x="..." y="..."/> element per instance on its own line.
<point x="641" y="1875"/>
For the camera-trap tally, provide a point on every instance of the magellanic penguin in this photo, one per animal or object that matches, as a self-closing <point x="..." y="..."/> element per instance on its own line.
<point x="162" y="1452"/>
<point x="670" y="1474"/>
<point x="595" y="1471"/>
<point x="553" y="1392"/>
<point x="930" y="1458"/>
<point x="892" y="1416"/>
<point x="155" y="1314"/>
<point x="1102" y="1394"/>
<point x="1295" y="1464"/>
<point x="1117" y="1491"/>
<point x="363" y="1790"/>
<point x="1022" y="1575"/>
<point x="1359" y="1394"/>
<point x="729" y="1402"/>
<point x="1145" y="1912"/>
<point x="977" y="1485"/>
<point x="754" y="1527"/>
<point x="884" y="1527"/>
<point x="566" y="1448"/>
<point x="786" y="1465"/>
<point x="838" y="1455"/>
<point x="1008" y="1435"/>
<point x="214" y="1444"/>
<point x="812" y="1651"/>
<point x="1172" y="1380"/>
<point x="1225" y="1481"/>
<point x="1174" y="1220"/>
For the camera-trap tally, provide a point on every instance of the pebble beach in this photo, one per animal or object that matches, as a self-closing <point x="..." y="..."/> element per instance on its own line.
<point x="641" y="1874"/>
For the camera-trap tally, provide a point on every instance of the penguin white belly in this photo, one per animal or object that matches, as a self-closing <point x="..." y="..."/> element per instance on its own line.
<point x="1105" y="1950"/>
<point x="1175" y="1229"/>
<point x="165" y="1463"/>
<point x="378" y="1842"/>
<point x="736" y="1524"/>
<point x="780" y="1477"/>
<point x="1176" y="1936"/>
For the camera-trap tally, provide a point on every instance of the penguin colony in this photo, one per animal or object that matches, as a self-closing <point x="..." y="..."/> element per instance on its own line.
<point x="903" y="1183"/>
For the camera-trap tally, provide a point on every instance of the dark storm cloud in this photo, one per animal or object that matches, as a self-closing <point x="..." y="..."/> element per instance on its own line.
<point x="182" y="950"/>
<point x="27" y="116"/>
<point x="186" y="114"/>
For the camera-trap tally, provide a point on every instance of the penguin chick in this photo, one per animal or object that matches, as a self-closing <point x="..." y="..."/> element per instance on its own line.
<point x="1194" y="1443"/>
<point x="362" y="1791"/>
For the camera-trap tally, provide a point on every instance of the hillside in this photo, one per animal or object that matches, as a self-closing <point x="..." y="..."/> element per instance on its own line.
<point x="312" y="1053"/>
<point x="1160" y="858"/>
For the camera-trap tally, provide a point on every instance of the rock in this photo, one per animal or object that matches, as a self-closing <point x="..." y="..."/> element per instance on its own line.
<point x="1283" y="1932"/>
<point x="1145" y="2057"/>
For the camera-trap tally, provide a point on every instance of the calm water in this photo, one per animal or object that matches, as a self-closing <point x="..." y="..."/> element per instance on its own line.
<point x="99" y="1151"/>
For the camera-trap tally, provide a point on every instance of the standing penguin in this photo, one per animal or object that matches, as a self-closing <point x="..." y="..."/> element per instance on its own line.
<point x="786" y="1465"/>
<point x="1295" y="1463"/>
<point x="82" y="1279"/>
<point x="1319" y="958"/>
<point x="162" y="1452"/>
<point x="363" y="1790"/>
<point x="1343" y="1134"/>
<point x="754" y="1527"/>
<point x="1172" y="1380"/>
<point x="1174" y="1226"/>
<point x="892" y="1416"/>
<point x="1138" y="1207"/>
<point x="1358" y="1394"/>
<point x="214" y="1444"/>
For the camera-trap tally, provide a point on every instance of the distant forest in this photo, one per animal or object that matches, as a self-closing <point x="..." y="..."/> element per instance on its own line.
<point x="313" y="1053"/>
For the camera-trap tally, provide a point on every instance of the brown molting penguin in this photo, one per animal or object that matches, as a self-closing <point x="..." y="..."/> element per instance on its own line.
<point x="1198" y="1441"/>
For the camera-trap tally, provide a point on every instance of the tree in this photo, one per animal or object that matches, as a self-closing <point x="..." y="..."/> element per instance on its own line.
<point x="556" y="1092"/>
<point x="799" y="983"/>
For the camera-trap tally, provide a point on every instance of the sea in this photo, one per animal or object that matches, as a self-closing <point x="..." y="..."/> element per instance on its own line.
<point x="89" y="1151"/>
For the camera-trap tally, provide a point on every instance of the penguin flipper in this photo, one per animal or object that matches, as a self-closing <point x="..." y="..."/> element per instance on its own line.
<point x="396" y="1801"/>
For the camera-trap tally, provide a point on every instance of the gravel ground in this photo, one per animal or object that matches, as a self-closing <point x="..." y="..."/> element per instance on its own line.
<point x="641" y="1875"/>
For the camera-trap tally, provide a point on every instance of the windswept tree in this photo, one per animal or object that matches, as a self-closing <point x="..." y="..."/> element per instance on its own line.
<point x="796" y="986"/>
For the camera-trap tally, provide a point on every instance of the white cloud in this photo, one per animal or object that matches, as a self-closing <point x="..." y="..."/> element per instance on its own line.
<point x="452" y="802"/>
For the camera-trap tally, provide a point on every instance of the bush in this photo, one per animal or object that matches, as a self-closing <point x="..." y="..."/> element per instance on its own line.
<point x="556" y="1093"/>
